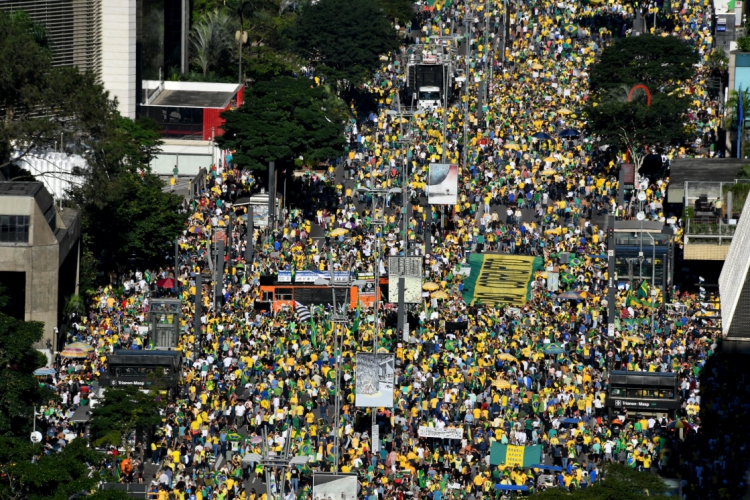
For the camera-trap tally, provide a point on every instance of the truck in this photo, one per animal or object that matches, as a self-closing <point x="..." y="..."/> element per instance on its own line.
<point x="428" y="77"/>
<point x="429" y="98"/>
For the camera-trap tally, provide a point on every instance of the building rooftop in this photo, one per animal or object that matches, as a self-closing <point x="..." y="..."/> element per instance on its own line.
<point x="697" y="170"/>
<point x="191" y="94"/>
<point x="705" y="169"/>
<point x="193" y="99"/>
<point x="28" y="189"/>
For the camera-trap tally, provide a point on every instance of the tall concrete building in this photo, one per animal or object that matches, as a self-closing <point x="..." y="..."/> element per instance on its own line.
<point x="116" y="39"/>
<point x="39" y="255"/>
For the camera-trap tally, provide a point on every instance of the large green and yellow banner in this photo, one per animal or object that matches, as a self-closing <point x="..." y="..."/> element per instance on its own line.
<point x="512" y="455"/>
<point x="500" y="279"/>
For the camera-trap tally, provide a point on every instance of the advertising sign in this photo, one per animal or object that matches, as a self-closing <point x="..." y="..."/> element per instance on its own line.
<point x="374" y="380"/>
<point x="442" y="186"/>
<point x="410" y="268"/>
<point x="334" y="486"/>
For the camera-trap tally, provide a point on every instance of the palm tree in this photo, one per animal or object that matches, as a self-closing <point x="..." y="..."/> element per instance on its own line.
<point x="732" y="107"/>
<point x="210" y="36"/>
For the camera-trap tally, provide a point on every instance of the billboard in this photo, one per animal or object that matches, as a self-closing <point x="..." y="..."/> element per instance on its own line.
<point x="409" y="268"/>
<point x="442" y="185"/>
<point x="334" y="486"/>
<point x="374" y="380"/>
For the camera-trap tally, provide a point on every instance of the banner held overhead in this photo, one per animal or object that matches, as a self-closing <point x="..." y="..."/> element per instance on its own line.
<point x="500" y="279"/>
<point x="444" y="433"/>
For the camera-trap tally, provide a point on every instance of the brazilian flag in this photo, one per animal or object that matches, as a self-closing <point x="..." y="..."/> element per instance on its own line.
<point x="571" y="29"/>
<point x="631" y="301"/>
<point x="643" y="290"/>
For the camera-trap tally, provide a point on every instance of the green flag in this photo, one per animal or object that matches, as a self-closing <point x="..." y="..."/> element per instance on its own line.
<point x="355" y="324"/>
<point x="643" y="290"/>
<point x="313" y="333"/>
<point x="294" y="271"/>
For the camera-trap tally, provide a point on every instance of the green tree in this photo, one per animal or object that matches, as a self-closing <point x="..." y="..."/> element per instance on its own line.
<point x="732" y="107"/>
<point x="403" y="10"/>
<point x="282" y="119"/>
<point x="210" y="38"/>
<point x="653" y="61"/>
<point x="619" y="483"/>
<point x="38" y="103"/>
<point x="629" y="126"/>
<point x="126" y="215"/>
<point x="19" y="390"/>
<point x="718" y="59"/>
<point x="743" y="43"/>
<point x="123" y="411"/>
<point x="28" y="474"/>
<point x="659" y="63"/>
<point x="344" y="38"/>
<point x="137" y="224"/>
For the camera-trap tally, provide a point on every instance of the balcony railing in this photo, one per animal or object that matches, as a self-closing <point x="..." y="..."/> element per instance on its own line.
<point x="708" y="232"/>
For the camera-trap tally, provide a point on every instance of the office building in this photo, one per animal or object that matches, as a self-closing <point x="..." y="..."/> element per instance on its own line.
<point x="118" y="40"/>
<point x="39" y="255"/>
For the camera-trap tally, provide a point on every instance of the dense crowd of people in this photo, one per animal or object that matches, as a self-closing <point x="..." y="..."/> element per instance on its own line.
<point x="248" y="371"/>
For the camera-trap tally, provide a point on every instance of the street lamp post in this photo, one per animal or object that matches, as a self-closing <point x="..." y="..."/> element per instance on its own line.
<point x="339" y="320"/>
<point x="404" y="140"/>
<point x="269" y="459"/>
<point x="653" y="277"/>
<point x="376" y="222"/>
<point x="467" y="32"/>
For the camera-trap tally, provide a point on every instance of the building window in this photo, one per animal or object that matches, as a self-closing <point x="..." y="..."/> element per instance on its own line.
<point x="14" y="228"/>
<point x="51" y="217"/>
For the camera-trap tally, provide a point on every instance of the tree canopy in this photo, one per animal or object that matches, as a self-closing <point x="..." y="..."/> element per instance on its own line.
<point x="403" y="10"/>
<point x="29" y="474"/>
<point x="38" y="103"/>
<point x="19" y="390"/>
<point x="631" y="125"/>
<point x="653" y="61"/>
<point x="344" y="39"/>
<point x="620" y="483"/>
<point x="282" y="119"/>
<point x="123" y="411"/>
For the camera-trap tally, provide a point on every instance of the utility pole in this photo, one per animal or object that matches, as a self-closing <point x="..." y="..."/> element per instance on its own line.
<point x="219" y="283"/>
<point x="487" y="52"/>
<point x="405" y="140"/>
<point x="612" y="285"/>
<point x="250" y="238"/>
<point x="377" y="223"/>
<point x="230" y="240"/>
<point x="271" y="196"/>
<point x="447" y="70"/>
<point x="467" y="41"/>
<point x="198" y="307"/>
<point x="506" y="30"/>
